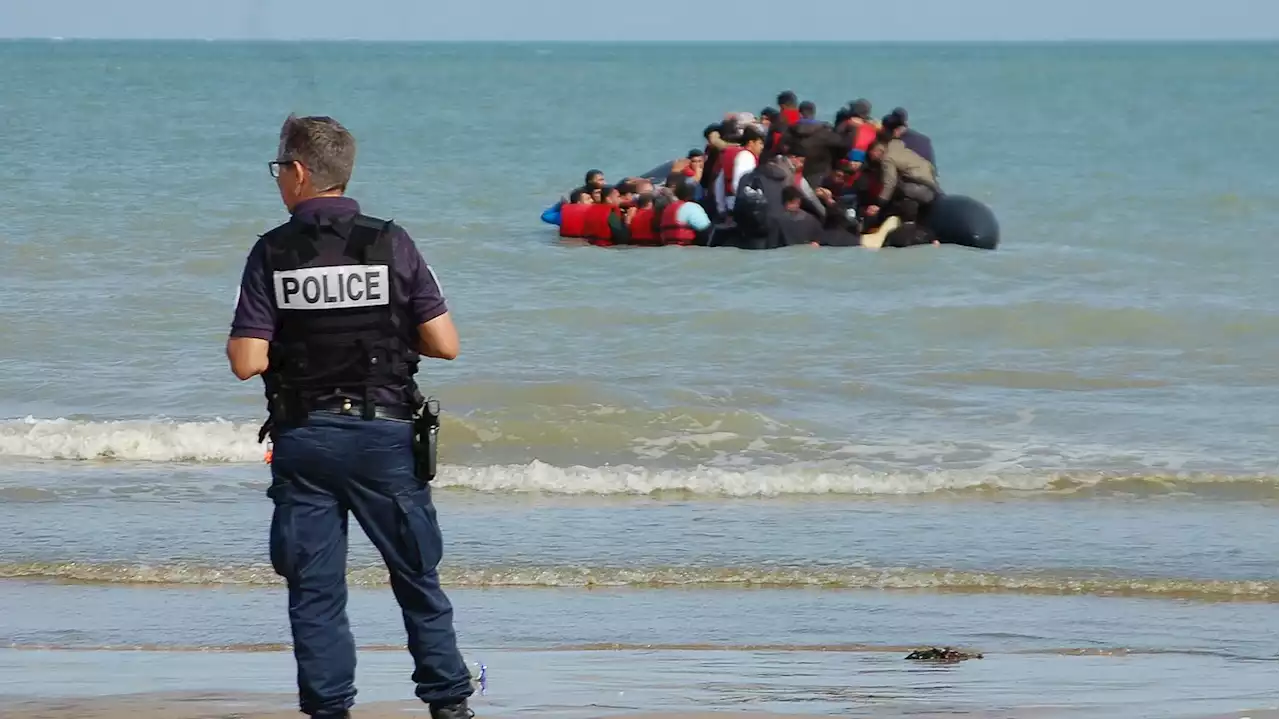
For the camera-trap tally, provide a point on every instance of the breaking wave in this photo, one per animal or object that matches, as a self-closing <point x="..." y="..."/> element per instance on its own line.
<point x="908" y="469"/>
<point x="668" y="577"/>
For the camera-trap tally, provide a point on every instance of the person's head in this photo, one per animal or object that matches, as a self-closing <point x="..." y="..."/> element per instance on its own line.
<point x="753" y="140"/>
<point x="876" y="152"/>
<point x="808" y="110"/>
<point x="786" y="99"/>
<point x="626" y="188"/>
<point x="842" y="116"/>
<point x="594" y="179"/>
<point x="315" y="159"/>
<point x="860" y="108"/>
<point x="682" y="190"/>
<point x="791" y="197"/>
<point x="579" y="197"/>
<point x="610" y="196"/>
<point x="729" y="126"/>
<point x="768" y="116"/>
<point x="892" y="126"/>
<point x="644" y="200"/>
<point x="697" y="157"/>
<point x="838" y="175"/>
<point x="596" y="193"/>
<point x="901" y="112"/>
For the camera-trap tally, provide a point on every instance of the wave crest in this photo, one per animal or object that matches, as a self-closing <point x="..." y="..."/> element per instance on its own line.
<point x="665" y="577"/>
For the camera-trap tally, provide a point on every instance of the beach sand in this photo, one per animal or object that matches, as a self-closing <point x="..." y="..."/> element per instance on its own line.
<point x="225" y="706"/>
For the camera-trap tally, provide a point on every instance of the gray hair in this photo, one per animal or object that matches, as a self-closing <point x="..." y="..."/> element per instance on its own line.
<point x="321" y="144"/>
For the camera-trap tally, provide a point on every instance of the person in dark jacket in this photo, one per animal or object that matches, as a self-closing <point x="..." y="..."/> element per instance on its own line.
<point x="762" y="189"/>
<point x="820" y="144"/>
<point x="792" y="225"/>
<point x="917" y="142"/>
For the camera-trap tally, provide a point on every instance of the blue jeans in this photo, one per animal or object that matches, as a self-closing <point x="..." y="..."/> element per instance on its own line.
<point x="319" y="472"/>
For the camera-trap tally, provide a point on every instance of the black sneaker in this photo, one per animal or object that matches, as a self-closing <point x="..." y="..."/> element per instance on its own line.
<point x="452" y="711"/>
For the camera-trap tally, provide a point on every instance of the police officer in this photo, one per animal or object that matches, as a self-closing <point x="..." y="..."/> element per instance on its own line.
<point x="335" y="308"/>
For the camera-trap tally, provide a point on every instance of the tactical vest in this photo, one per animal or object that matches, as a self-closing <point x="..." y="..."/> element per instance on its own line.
<point x="340" y="328"/>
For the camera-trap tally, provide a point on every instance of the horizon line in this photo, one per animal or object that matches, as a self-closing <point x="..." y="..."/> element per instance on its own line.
<point x="647" y="41"/>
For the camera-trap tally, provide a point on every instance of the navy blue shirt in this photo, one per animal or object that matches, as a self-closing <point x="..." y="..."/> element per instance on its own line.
<point x="919" y="143"/>
<point x="256" y="315"/>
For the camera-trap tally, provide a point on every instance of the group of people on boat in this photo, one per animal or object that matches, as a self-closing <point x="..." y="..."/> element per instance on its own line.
<point x="775" y="179"/>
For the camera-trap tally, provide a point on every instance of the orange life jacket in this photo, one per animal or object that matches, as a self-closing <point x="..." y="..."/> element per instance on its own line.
<point x="642" y="231"/>
<point x="672" y="231"/>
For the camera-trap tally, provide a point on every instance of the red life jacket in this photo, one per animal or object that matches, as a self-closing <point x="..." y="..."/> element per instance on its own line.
<point x="672" y="231"/>
<point x="728" y="159"/>
<point x="573" y="220"/>
<point x="790" y="115"/>
<point x="642" y="228"/>
<point x="774" y="140"/>
<point x="596" y="225"/>
<point x="865" y="135"/>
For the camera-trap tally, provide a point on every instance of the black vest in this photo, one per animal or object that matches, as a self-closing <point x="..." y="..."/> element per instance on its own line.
<point x="342" y="328"/>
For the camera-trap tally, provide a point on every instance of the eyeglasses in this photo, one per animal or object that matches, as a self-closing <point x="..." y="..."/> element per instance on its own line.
<point x="274" y="166"/>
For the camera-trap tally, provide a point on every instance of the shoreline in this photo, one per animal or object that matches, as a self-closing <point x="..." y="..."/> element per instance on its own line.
<point x="221" y="705"/>
<point x="649" y="684"/>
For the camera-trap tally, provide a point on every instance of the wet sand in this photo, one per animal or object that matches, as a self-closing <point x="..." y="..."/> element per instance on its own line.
<point x="653" y="684"/>
<point x="223" y="706"/>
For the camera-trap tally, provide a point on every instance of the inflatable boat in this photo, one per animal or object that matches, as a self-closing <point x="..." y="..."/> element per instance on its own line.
<point x="952" y="219"/>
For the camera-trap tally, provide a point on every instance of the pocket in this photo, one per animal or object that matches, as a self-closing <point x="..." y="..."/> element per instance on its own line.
<point x="282" y="539"/>
<point x="419" y="533"/>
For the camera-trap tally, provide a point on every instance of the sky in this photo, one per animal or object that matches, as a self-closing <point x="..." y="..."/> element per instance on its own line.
<point x="903" y="20"/>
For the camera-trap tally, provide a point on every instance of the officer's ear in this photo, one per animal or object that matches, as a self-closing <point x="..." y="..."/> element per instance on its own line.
<point x="302" y="176"/>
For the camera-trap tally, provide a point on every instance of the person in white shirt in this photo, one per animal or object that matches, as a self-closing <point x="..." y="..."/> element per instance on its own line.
<point x="735" y="162"/>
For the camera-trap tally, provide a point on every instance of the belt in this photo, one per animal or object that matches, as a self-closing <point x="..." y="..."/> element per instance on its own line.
<point x="355" y="408"/>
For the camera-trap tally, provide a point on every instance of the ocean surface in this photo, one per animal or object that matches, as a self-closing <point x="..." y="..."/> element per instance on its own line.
<point x="679" y="477"/>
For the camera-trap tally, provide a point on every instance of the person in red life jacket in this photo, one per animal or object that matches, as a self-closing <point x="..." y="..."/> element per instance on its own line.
<point x="734" y="163"/>
<point x="788" y="108"/>
<point x="643" y="223"/>
<point x="573" y="214"/>
<point x="681" y="220"/>
<point x="696" y="162"/>
<point x="860" y="125"/>
<point x="692" y="168"/>
<point x="719" y="136"/>
<point x="772" y="134"/>
<point x="605" y="223"/>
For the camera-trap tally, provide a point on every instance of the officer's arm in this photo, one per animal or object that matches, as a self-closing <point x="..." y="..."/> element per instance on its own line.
<point x="248" y="356"/>
<point x="438" y="338"/>
<point x="255" y="318"/>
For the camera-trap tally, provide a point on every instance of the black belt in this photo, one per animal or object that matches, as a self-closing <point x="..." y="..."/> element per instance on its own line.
<point x="355" y="408"/>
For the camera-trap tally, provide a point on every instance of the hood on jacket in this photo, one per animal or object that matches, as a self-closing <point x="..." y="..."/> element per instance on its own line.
<point x="778" y="168"/>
